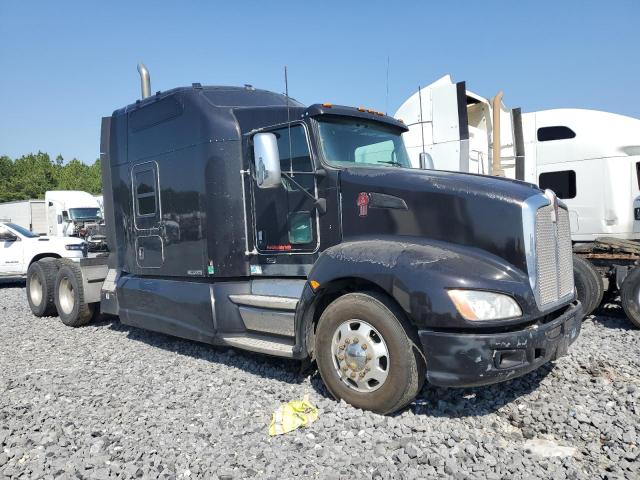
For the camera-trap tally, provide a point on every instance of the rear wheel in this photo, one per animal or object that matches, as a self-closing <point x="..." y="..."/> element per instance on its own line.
<point x="589" y="284"/>
<point x="69" y="297"/>
<point x="41" y="278"/>
<point x="630" y="295"/>
<point x="366" y="353"/>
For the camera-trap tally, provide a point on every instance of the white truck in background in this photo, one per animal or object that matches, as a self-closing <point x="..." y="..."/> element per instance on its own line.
<point x="29" y="214"/>
<point x="73" y="213"/>
<point x="19" y="248"/>
<point x="62" y="213"/>
<point x="68" y="210"/>
<point x="590" y="159"/>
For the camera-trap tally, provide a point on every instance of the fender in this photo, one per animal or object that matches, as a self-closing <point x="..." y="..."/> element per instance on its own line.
<point x="416" y="273"/>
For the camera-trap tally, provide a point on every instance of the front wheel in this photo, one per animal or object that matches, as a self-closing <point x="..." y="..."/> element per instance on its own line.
<point x="630" y="296"/>
<point x="366" y="353"/>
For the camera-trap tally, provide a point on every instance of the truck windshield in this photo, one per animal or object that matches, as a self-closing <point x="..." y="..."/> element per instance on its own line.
<point x="84" y="213"/>
<point x="21" y="230"/>
<point x="350" y="142"/>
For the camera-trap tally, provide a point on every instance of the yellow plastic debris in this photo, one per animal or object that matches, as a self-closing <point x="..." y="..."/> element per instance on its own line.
<point x="293" y="415"/>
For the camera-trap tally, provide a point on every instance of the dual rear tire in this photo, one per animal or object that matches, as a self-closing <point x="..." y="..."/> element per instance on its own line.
<point x="589" y="284"/>
<point x="55" y="287"/>
<point x="41" y="279"/>
<point x="630" y="296"/>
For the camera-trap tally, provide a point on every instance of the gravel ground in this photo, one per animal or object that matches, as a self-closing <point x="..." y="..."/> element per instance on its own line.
<point x="108" y="401"/>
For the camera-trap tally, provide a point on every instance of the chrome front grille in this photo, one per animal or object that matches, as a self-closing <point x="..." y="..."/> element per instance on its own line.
<point x="549" y="252"/>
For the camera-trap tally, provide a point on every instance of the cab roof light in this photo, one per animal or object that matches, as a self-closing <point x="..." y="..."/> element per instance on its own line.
<point x="362" y="109"/>
<point x="371" y="110"/>
<point x="400" y="120"/>
<point x="327" y="105"/>
<point x="380" y="113"/>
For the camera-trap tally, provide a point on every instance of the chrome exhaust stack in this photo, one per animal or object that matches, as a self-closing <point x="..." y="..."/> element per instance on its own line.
<point x="145" y="80"/>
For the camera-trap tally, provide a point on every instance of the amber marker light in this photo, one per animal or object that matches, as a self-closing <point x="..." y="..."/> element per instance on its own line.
<point x="327" y="105"/>
<point x="314" y="284"/>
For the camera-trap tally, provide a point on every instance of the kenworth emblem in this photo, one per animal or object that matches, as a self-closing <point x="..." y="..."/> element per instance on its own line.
<point x="554" y="202"/>
<point x="363" y="203"/>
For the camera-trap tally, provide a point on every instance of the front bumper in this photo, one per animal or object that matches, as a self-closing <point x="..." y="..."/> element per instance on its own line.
<point x="472" y="359"/>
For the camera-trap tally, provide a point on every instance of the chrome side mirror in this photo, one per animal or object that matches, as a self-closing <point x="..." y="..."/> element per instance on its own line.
<point x="426" y="161"/>
<point x="267" y="160"/>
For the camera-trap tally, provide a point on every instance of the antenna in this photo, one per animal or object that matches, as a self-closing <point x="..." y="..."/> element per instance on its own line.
<point x="421" y="124"/>
<point x="286" y="92"/>
<point x="386" y="102"/>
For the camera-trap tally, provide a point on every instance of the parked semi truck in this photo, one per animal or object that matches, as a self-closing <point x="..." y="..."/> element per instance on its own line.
<point x="590" y="159"/>
<point x="74" y="213"/>
<point x="243" y="218"/>
<point x="29" y="214"/>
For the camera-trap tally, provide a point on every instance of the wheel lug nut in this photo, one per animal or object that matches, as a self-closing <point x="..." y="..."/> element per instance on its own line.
<point x="364" y="346"/>
<point x="355" y="340"/>
<point x="344" y="369"/>
<point x="347" y="341"/>
<point x="340" y="357"/>
<point x="369" y="357"/>
<point x="353" y="374"/>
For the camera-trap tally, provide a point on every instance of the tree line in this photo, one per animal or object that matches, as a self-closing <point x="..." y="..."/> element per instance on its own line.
<point x="29" y="176"/>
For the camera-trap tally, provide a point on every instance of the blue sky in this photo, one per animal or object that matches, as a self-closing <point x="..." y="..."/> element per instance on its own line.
<point x="64" y="64"/>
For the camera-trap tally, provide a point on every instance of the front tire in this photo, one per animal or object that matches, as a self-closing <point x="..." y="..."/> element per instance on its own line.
<point x="41" y="279"/>
<point x="630" y="296"/>
<point x="367" y="354"/>
<point x="69" y="297"/>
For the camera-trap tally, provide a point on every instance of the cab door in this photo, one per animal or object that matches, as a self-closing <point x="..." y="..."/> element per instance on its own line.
<point x="11" y="252"/>
<point x="285" y="218"/>
<point x="149" y="244"/>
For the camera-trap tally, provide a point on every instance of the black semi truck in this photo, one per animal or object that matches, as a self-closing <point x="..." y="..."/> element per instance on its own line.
<point x="240" y="217"/>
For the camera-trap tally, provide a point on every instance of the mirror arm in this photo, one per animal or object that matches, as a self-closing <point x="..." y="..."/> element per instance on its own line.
<point x="320" y="203"/>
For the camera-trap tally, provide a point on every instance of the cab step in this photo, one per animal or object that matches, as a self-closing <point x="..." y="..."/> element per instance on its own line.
<point x="255" y="343"/>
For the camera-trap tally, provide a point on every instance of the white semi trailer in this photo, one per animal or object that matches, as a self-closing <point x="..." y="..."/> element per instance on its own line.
<point x="590" y="159"/>
<point x="29" y="214"/>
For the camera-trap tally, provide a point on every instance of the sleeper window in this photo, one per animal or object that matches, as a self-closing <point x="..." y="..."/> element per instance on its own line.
<point x="563" y="183"/>
<point x="546" y="134"/>
<point x="146" y="192"/>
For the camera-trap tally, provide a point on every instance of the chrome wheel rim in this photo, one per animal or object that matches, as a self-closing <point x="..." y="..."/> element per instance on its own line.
<point x="360" y="356"/>
<point x="65" y="296"/>
<point x="35" y="290"/>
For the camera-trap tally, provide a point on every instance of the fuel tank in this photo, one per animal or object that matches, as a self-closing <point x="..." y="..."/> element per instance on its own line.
<point x="471" y="210"/>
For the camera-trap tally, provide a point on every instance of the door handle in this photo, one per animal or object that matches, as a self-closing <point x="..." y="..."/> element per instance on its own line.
<point x="141" y="253"/>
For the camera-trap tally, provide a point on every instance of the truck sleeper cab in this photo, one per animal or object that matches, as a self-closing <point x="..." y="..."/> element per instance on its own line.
<point x="243" y="218"/>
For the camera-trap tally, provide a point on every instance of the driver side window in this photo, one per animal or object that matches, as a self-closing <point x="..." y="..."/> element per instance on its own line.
<point x="285" y="218"/>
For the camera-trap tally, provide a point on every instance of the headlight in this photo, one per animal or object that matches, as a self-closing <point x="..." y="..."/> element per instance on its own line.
<point x="75" y="246"/>
<point x="478" y="305"/>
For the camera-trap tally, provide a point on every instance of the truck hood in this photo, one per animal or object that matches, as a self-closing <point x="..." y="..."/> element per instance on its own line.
<point x="464" y="209"/>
